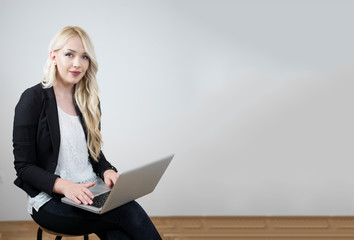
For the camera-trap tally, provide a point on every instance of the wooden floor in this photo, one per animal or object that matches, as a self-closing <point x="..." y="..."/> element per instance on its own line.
<point x="220" y="228"/>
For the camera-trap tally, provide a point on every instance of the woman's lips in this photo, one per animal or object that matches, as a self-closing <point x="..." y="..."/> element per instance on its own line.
<point x="75" y="73"/>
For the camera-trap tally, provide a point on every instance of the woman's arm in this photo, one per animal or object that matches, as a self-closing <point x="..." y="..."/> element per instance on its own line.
<point x="31" y="177"/>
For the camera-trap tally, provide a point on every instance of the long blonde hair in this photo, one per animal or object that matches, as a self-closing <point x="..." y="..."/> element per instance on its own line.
<point x="86" y="90"/>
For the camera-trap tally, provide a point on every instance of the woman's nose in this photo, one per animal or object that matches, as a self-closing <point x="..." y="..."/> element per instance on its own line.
<point x="77" y="62"/>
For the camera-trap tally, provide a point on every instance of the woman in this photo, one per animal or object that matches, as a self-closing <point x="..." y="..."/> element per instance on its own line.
<point x="57" y="146"/>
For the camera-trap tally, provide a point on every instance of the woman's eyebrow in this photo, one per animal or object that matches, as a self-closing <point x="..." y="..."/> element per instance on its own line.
<point x="71" y="50"/>
<point x="75" y="51"/>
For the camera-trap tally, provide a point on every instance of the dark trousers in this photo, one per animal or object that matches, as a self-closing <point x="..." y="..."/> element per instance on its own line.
<point x="127" y="222"/>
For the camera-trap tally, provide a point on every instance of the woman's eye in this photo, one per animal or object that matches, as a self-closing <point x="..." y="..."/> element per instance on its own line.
<point x="68" y="55"/>
<point x="85" y="57"/>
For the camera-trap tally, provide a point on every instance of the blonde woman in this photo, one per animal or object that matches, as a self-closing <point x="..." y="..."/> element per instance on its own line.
<point x="57" y="146"/>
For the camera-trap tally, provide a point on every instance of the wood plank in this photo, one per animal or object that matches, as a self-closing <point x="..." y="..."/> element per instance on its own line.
<point x="219" y="228"/>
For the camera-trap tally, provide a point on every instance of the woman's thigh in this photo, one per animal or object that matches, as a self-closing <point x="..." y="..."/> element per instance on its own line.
<point x="129" y="219"/>
<point x="60" y="217"/>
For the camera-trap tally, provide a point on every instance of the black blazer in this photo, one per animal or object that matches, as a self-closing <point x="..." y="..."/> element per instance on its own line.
<point x="36" y="141"/>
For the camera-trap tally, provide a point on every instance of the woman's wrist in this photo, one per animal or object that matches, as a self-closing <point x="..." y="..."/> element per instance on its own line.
<point x="109" y="168"/>
<point x="59" y="185"/>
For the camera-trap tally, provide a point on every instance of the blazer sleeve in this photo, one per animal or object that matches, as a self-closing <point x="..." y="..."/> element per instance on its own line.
<point x="30" y="176"/>
<point x="101" y="166"/>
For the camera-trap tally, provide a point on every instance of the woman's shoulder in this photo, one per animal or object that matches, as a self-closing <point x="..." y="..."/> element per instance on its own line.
<point x="37" y="93"/>
<point x="32" y="97"/>
<point x="36" y="90"/>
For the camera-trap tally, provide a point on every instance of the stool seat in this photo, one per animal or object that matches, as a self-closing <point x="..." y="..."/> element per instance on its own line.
<point x="58" y="235"/>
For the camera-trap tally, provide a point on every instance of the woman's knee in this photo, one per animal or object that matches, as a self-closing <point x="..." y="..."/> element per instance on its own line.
<point x="135" y="214"/>
<point x="132" y="219"/>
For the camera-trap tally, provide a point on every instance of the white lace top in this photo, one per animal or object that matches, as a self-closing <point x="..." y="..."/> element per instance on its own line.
<point x="73" y="162"/>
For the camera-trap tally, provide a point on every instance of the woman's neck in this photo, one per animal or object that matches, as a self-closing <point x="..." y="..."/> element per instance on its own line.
<point x="63" y="90"/>
<point x="65" y="98"/>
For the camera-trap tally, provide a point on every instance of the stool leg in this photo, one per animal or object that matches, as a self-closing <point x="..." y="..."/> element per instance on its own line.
<point x="86" y="237"/>
<point x="39" y="234"/>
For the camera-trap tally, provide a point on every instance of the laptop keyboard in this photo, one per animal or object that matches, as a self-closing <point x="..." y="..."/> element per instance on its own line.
<point x="98" y="201"/>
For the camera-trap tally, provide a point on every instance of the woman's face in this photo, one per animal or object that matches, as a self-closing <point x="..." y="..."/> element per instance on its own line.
<point x="71" y="60"/>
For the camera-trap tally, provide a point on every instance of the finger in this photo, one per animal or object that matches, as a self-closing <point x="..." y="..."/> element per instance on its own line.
<point x="88" y="185"/>
<point x="85" y="199"/>
<point x="113" y="178"/>
<point x="108" y="182"/>
<point x="89" y="194"/>
<point x="75" y="199"/>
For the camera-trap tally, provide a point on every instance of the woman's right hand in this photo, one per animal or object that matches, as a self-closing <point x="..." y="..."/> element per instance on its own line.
<point x="79" y="193"/>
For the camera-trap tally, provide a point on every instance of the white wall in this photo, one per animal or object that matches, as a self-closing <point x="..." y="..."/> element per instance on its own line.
<point x="254" y="98"/>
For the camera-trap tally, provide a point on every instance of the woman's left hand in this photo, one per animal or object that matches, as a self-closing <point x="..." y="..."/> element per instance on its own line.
<point x="110" y="177"/>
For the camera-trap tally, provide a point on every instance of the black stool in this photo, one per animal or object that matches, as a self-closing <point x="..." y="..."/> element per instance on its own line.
<point x="58" y="235"/>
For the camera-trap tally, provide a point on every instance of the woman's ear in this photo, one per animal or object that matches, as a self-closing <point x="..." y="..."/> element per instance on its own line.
<point x="53" y="57"/>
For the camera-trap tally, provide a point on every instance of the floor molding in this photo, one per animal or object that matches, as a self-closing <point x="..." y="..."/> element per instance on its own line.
<point x="221" y="228"/>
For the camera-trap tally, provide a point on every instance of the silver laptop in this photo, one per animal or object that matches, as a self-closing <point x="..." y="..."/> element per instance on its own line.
<point x="129" y="186"/>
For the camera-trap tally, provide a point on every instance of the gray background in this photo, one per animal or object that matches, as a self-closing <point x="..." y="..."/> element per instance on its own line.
<point x="254" y="98"/>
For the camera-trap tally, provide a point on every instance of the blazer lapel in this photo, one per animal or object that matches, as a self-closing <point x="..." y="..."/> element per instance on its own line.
<point x="52" y="118"/>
